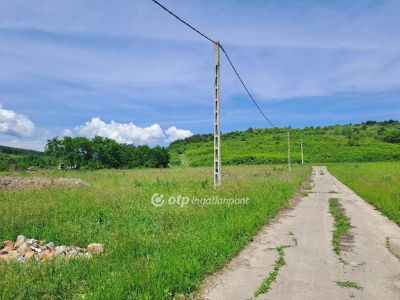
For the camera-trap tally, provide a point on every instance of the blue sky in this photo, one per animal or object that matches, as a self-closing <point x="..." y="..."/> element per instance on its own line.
<point x="127" y="70"/>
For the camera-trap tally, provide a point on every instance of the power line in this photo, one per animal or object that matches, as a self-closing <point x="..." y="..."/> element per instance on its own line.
<point x="245" y="87"/>
<point x="226" y="54"/>
<point x="184" y="22"/>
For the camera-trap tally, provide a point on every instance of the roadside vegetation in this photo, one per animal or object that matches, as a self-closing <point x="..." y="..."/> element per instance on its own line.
<point x="342" y="224"/>
<point x="267" y="282"/>
<point x="150" y="252"/>
<point x="265" y="285"/>
<point x="365" y="142"/>
<point x="377" y="183"/>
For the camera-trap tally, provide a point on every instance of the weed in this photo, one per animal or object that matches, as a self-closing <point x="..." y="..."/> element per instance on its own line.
<point x="279" y="263"/>
<point x="349" y="284"/>
<point x="305" y="194"/>
<point x="342" y="224"/>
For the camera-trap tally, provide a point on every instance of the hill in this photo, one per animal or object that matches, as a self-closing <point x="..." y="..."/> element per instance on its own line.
<point x="19" y="159"/>
<point x="368" y="141"/>
<point x="17" y="151"/>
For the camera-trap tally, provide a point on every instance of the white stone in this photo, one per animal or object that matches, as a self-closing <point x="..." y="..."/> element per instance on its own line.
<point x="95" y="248"/>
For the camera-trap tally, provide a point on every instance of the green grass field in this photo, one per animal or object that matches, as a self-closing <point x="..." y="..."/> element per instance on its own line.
<point x="150" y="252"/>
<point x="339" y="143"/>
<point x="377" y="183"/>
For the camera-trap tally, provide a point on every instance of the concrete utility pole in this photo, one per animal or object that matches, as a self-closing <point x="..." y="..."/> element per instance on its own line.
<point x="217" y="129"/>
<point x="289" y="160"/>
<point x="302" y="155"/>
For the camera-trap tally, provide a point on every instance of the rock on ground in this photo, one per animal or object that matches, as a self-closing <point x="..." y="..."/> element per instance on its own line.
<point x="24" y="250"/>
<point x="11" y="183"/>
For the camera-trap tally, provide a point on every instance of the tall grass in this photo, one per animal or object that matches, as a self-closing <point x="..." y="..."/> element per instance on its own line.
<point x="150" y="252"/>
<point x="377" y="183"/>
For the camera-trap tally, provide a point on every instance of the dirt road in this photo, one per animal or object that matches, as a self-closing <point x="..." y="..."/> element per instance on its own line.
<point x="371" y="259"/>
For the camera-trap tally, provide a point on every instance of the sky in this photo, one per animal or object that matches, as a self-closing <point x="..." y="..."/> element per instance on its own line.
<point x="129" y="71"/>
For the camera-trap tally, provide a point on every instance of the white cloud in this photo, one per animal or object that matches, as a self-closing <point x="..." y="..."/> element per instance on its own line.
<point x="129" y="133"/>
<point x="123" y="133"/>
<point x="176" y="134"/>
<point x="67" y="132"/>
<point x="15" y="124"/>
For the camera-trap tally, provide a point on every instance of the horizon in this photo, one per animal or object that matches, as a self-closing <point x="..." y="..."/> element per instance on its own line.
<point x="254" y="128"/>
<point x="130" y="72"/>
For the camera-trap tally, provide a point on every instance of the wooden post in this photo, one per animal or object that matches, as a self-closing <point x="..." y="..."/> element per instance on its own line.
<point x="217" y="129"/>
<point x="302" y="155"/>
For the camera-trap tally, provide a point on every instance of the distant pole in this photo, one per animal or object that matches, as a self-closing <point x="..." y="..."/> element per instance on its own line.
<point x="289" y="160"/>
<point x="302" y="155"/>
<point x="217" y="129"/>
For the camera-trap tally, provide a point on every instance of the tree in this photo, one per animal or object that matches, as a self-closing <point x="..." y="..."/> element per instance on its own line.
<point x="99" y="152"/>
<point x="392" y="136"/>
<point x="54" y="147"/>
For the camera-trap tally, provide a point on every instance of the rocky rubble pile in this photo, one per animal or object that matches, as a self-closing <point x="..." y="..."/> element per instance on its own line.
<point x="24" y="250"/>
<point x="16" y="183"/>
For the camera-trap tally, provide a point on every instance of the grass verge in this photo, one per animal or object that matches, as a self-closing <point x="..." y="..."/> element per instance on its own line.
<point x="377" y="183"/>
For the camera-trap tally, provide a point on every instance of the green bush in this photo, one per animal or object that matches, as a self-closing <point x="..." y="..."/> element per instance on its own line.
<point x="392" y="136"/>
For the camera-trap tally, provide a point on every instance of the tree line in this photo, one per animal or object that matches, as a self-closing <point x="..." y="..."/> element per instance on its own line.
<point x="100" y="153"/>
<point x="84" y="153"/>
